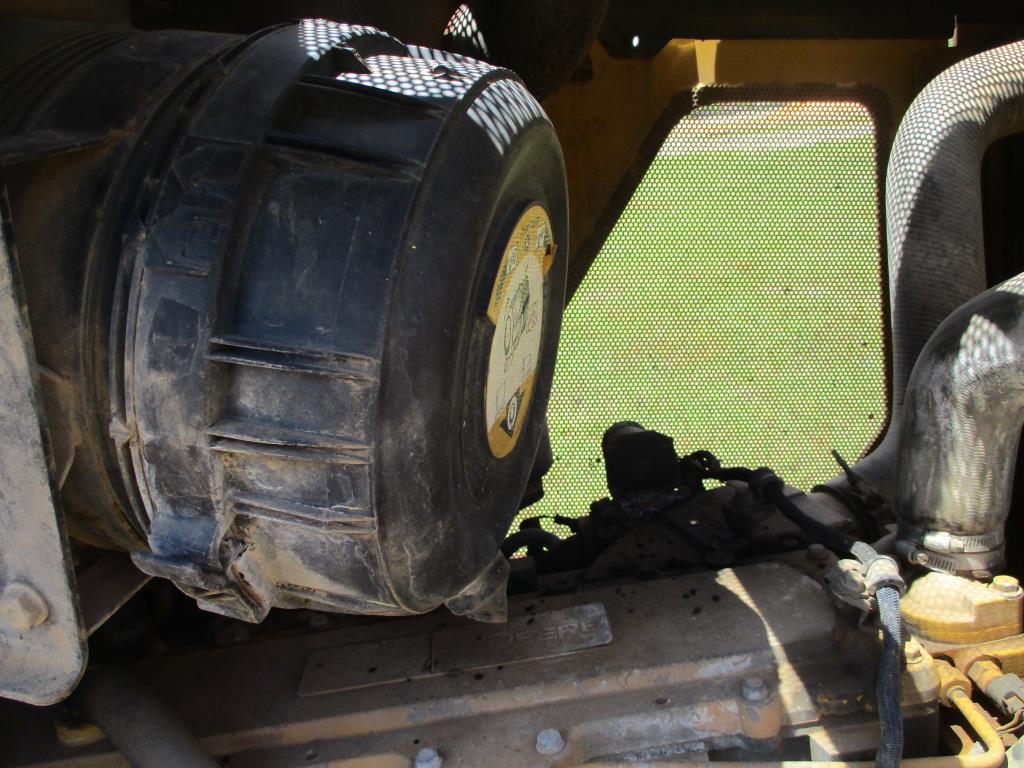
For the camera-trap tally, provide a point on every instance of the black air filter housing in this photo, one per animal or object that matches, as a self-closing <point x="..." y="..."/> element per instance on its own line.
<point x="312" y="341"/>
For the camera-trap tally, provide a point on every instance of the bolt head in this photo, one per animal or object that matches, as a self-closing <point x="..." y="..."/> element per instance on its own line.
<point x="550" y="742"/>
<point x="755" y="689"/>
<point x="428" y="758"/>
<point x="1006" y="586"/>
<point x="913" y="652"/>
<point x="22" y="607"/>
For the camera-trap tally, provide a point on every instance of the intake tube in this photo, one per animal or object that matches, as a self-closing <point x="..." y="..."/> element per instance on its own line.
<point x="137" y="723"/>
<point x="933" y="213"/>
<point x="961" y="426"/>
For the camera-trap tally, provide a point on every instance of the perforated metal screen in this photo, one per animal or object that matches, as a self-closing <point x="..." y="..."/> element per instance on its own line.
<point x="736" y="304"/>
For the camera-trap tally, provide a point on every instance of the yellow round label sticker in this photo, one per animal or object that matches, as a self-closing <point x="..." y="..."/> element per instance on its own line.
<point x="517" y="311"/>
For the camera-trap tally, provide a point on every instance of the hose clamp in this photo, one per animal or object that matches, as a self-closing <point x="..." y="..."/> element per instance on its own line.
<point x="883" y="571"/>
<point x="955" y="544"/>
<point x="977" y="555"/>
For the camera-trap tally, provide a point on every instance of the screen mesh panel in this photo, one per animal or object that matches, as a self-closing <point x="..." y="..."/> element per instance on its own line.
<point x="737" y="302"/>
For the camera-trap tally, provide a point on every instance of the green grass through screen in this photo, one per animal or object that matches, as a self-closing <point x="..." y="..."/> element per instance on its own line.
<point x="736" y="305"/>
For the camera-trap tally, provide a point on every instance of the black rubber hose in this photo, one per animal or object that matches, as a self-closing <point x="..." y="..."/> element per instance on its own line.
<point x="846" y="496"/>
<point x="887" y="686"/>
<point x="769" y="486"/>
<point x="831" y="538"/>
<point x="137" y="723"/>
<point x="933" y="215"/>
<point x="962" y="421"/>
<point x="732" y="473"/>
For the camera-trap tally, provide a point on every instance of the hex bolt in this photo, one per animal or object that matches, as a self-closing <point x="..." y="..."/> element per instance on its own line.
<point x="816" y="551"/>
<point x="22" y="607"/>
<point x="1007" y="586"/>
<point x="428" y="758"/>
<point x="919" y="557"/>
<point x="550" y="742"/>
<point x="754" y="689"/>
<point x="913" y="653"/>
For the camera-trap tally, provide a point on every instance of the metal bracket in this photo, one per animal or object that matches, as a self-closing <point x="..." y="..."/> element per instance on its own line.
<point x="42" y="646"/>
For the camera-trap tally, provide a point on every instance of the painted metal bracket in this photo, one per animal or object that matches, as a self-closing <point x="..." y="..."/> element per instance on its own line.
<point x="42" y="643"/>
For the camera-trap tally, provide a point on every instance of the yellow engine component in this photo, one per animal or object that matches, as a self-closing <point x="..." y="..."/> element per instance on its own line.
<point x="950" y="609"/>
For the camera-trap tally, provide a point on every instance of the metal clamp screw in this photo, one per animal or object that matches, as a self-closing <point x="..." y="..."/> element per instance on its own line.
<point x="883" y="571"/>
<point x="22" y="607"/>
<point x="550" y="742"/>
<point x="754" y="689"/>
<point x="428" y="758"/>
